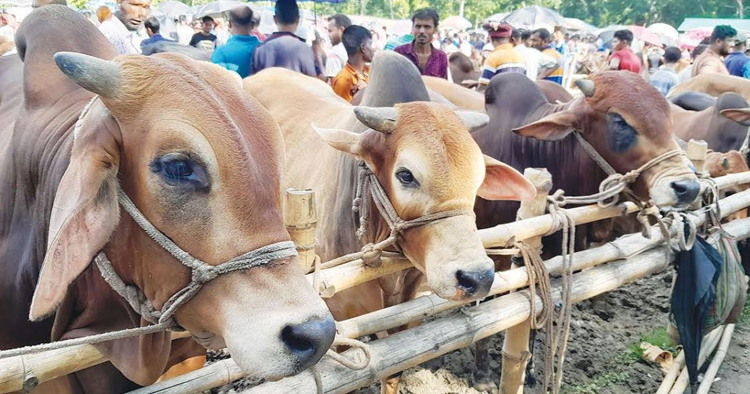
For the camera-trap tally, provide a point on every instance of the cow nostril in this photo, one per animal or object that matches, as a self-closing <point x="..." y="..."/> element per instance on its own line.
<point x="475" y="283"/>
<point x="686" y="191"/>
<point x="309" y="341"/>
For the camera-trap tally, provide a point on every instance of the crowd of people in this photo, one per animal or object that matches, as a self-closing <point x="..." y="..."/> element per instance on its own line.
<point x="343" y="60"/>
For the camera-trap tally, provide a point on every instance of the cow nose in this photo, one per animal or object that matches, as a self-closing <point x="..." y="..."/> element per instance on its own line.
<point x="686" y="190"/>
<point x="309" y="341"/>
<point x="475" y="284"/>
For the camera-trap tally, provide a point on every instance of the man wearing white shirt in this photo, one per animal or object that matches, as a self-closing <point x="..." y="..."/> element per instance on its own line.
<point x="535" y="59"/>
<point x="122" y="30"/>
<point x="336" y="58"/>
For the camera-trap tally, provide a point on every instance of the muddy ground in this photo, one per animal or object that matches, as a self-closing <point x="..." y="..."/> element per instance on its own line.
<point x="600" y="357"/>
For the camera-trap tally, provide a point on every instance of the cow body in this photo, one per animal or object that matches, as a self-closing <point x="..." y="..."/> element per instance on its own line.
<point x="713" y="85"/>
<point x="722" y="123"/>
<point x="59" y="207"/>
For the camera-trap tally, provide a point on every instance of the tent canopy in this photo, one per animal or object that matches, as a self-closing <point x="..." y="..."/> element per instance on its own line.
<point x="694" y="23"/>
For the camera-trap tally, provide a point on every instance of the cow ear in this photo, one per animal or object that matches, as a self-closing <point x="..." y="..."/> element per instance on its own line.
<point x="345" y="141"/>
<point x="739" y="115"/>
<point x="503" y="182"/>
<point x="85" y="212"/>
<point x="552" y="127"/>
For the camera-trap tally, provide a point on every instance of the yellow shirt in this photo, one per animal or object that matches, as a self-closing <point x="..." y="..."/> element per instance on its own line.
<point x="346" y="82"/>
<point x="503" y="59"/>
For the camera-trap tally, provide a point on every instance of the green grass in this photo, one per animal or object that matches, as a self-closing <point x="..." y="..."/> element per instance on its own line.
<point x="744" y="319"/>
<point x="596" y="385"/>
<point x="658" y="337"/>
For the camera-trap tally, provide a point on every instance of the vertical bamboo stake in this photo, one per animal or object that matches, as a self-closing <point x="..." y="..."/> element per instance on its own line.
<point x="516" y="342"/>
<point x="697" y="150"/>
<point x="300" y="218"/>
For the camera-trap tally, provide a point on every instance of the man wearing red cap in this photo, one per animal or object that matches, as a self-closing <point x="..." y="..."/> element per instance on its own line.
<point x="503" y="59"/>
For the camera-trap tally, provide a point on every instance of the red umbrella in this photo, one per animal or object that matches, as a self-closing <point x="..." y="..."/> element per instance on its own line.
<point x="646" y="36"/>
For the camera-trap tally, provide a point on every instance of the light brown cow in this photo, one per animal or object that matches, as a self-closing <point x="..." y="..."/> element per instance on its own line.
<point x="724" y="163"/>
<point x="205" y="173"/>
<point x="714" y="85"/>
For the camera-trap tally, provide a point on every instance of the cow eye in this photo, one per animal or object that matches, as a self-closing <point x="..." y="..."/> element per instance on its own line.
<point x="620" y="135"/>
<point x="406" y="178"/>
<point x="178" y="169"/>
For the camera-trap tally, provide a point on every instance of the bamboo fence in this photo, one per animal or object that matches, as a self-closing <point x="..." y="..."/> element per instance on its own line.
<point x="631" y="257"/>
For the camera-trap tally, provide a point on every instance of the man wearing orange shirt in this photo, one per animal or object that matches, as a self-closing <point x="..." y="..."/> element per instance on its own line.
<point x="357" y="41"/>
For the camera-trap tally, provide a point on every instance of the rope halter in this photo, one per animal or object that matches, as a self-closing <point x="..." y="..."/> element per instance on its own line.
<point x="367" y="181"/>
<point x="201" y="272"/>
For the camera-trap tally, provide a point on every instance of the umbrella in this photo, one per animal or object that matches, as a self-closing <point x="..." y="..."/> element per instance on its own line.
<point x="578" y="25"/>
<point x="664" y="30"/>
<point x="644" y="35"/>
<point x="534" y="17"/>
<point x="174" y="9"/>
<point x="215" y="8"/>
<point x="455" y="22"/>
<point x="496" y="17"/>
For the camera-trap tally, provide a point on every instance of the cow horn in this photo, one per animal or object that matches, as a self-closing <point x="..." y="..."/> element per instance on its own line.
<point x="91" y="73"/>
<point x="382" y="119"/>
<point x="587" y="87"/>
<point x="473" y="120"/>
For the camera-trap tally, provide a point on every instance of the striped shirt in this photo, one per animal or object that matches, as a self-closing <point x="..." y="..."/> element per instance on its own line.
<point x="503" y="59"/>
<point x="557" y="75"/>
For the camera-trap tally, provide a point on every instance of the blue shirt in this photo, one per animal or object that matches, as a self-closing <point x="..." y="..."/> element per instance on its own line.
<point x="237" y="54"/>
<point x="738" y="64"/>
<point x="155" y="38"/>
<point x="664" y="80"/>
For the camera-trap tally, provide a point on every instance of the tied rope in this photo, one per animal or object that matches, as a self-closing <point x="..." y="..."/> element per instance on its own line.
<point x="339" y="358"/>
<point x="369" y="189"/>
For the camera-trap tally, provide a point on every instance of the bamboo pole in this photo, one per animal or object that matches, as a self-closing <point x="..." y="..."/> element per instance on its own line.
<point x="217" y="374"/>
<point x="671" y="376"/>
<point x="430" y="340"/>
<point x="633" y="246"/>
<point x="707" y="347"/>
<point x="23" y="373"/>
<point x="516" y="342"/>
<point x="696" y="152"/>
<point x="713" y="368"/>
<point x="300" y="219"/>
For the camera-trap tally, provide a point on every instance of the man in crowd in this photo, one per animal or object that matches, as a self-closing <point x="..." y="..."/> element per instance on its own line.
<point x="722" y="40"/>
<point x="535" y="60"/>
<point x="152" y="29"/>
<point x="283" y="48"/>
<point x="428" y="59"/>
<point x="666" y="77"/>
<point x="358" y="43"/>
<point x="184" y="31"/>
<point x="503" y="58"/>
<point x="204" y="35"/>
<point x="336" y="57"/>
<point x="737" y="62"/>
<point x="256" y="23"/>
<point x="122" y="30"/>
<point x="237" y="54"/>
<point x="542" y="41"/>
<point x="624" y="58"/>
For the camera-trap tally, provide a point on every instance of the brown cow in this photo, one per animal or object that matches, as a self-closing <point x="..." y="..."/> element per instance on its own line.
<point x="421" y="153"/>
<point x="722" y="123"/>
<point x="724" y="163"/>
<point x="462" y="69"/>
<point x="714" y="85"/>
<point x="185" y="164"/>
<point x="554" y="92"/>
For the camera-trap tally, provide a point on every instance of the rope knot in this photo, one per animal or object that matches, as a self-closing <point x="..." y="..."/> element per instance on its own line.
<point x="356" y="204"/>
<point x="203" y="274"/>
<point x="371" y="256"/>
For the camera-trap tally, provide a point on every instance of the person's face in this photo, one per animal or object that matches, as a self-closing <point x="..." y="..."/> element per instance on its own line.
<point x="423" y="30"/>
<point x="535" y="41"/>
<point x="727" y="45"/>
<point x="367" y="51"/>
<point x="334" y="32"/>
<point x="617" y="44"/>
<point x="207" y="26"/>
<point x="558" y="36"/>
<point x="132" y="13"/>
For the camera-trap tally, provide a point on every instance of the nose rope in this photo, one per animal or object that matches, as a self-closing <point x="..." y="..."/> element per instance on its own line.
<point x="346" y="362"/>
<point x="370" y="189"/>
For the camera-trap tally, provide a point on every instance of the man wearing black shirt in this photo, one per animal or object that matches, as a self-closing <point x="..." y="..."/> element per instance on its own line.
<point x="204" y="35"/>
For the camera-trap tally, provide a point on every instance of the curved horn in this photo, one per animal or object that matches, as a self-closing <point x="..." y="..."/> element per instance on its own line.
<point x="587" y="87"/>
<point x="91" y="73"/>
<point x="473" y="120"/>
<point x="382" y="119"/>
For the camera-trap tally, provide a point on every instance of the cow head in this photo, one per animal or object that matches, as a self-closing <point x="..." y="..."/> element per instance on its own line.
<point x="628" y="122"/>
<point x="427" y="162"/>
<point x="202" y="160"/>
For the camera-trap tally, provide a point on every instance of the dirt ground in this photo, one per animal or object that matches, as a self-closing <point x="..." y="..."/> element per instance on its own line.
<point x="600" y="358"/>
